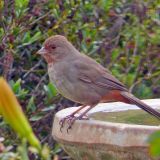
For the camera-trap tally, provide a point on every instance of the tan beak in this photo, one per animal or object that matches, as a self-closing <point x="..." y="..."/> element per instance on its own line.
<point x="42" y="51"/>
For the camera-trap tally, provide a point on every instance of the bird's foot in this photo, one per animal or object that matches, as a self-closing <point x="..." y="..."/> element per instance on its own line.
<point x="62" y="121"/>
<point x="70" y="119"/>
<point x="73" y="119"/>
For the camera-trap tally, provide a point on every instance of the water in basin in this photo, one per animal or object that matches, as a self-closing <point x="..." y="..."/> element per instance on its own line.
<point x="129" y="116"/>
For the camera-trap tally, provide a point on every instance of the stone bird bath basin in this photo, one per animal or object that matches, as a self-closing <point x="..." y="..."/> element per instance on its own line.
<point x="115" y="138"/>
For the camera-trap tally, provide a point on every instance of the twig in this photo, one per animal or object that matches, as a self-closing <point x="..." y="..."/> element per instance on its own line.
<point x="145" y="78"/>
<point x="41" y="80"/>
<point x="2" y="64"/>
<point x="134" y="84"/>
<point x="38" y="19"/>
<point x="31" y="70"/>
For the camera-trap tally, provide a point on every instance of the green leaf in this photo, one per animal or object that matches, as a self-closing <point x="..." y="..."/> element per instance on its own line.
<point x="21" y="7"/>
<point x="28" y="39"/>
<point x="48" y="108"/>
<point x="106" y="4"/>
<point x="154" y="141"/>
<point x="21" y="3"/>
<point x="36" y="117"/>
<point x="137" y="59"/>
<point x="129" y="79"/>
<point x="31" y="105"/>
<point x="22" y="149"/>
<point x="16" y="86"/>
<point x="50" y="90"/>
<point x="143" y="91"/>
<point x="35" y="37"/>
<point x="115" y="54"/>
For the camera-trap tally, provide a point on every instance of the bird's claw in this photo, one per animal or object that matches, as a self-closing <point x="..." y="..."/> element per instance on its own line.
<point x="63" y="120"/>
<point x="70" y="121"/>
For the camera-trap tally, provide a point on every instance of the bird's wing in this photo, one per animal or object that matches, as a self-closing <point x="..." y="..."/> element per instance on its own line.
<point x="90" y="71"/>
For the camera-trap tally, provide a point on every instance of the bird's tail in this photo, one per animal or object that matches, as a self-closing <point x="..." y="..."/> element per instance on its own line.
<point x="133" y="100"/>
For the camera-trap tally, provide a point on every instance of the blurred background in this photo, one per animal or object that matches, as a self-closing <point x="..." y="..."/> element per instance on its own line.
<point x="122" y="35"/>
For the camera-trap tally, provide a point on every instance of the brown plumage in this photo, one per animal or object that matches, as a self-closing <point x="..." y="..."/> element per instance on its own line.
<point x="81" y="79"/>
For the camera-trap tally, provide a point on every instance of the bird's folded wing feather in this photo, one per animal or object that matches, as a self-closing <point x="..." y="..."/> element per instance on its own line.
<point x="96" y="74"/>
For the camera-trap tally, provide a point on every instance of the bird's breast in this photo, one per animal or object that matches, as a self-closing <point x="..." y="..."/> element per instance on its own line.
<point x="70" y="87"/>
<point x="59" y="79"/>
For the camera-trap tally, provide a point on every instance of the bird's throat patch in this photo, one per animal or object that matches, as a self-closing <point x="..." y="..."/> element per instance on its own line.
<point x="48" y="58"/>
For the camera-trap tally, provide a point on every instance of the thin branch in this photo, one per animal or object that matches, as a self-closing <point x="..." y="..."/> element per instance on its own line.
<point x="31" y="70"/>
<point x="38" y="19"/>
<point x="41" y="80"/>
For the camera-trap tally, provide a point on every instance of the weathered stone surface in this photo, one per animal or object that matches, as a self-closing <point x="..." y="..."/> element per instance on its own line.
<point x="101" y="140"/>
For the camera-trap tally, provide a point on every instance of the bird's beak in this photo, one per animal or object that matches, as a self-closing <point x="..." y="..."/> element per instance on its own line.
<point x="42" y="51"/>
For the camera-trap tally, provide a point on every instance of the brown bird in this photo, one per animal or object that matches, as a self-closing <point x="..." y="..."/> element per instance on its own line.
<point x="81" y="79"/>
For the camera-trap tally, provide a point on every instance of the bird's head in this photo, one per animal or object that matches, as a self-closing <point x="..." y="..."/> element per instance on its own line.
<point x="55" y="48"/>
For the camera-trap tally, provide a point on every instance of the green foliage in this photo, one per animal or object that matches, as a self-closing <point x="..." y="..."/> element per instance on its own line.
<point x="17" y="89"/>
<point x="29" y="39"/>
<point x="21" y="4"/>
<point x="51" y="91"/>
<point x="154" y="141"/>
<point x="31" y="105"/>
<point x="22" y="152"/>
<point x="121" y="35"/>
<point x="106" y="4"/>
<point x="20" y="7"/>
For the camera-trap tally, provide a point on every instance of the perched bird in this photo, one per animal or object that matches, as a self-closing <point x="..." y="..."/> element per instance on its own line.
<point x="81" y="79"/>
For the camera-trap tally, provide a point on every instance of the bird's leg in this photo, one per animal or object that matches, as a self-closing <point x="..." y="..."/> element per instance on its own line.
<point x="71" y="122"/>
<point x="70" y="117"/>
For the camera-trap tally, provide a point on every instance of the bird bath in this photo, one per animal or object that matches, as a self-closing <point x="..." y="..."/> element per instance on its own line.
<point x="114" y="131"/>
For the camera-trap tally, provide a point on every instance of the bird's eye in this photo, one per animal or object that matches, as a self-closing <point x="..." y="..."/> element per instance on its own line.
<point x="53" y="47"/>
